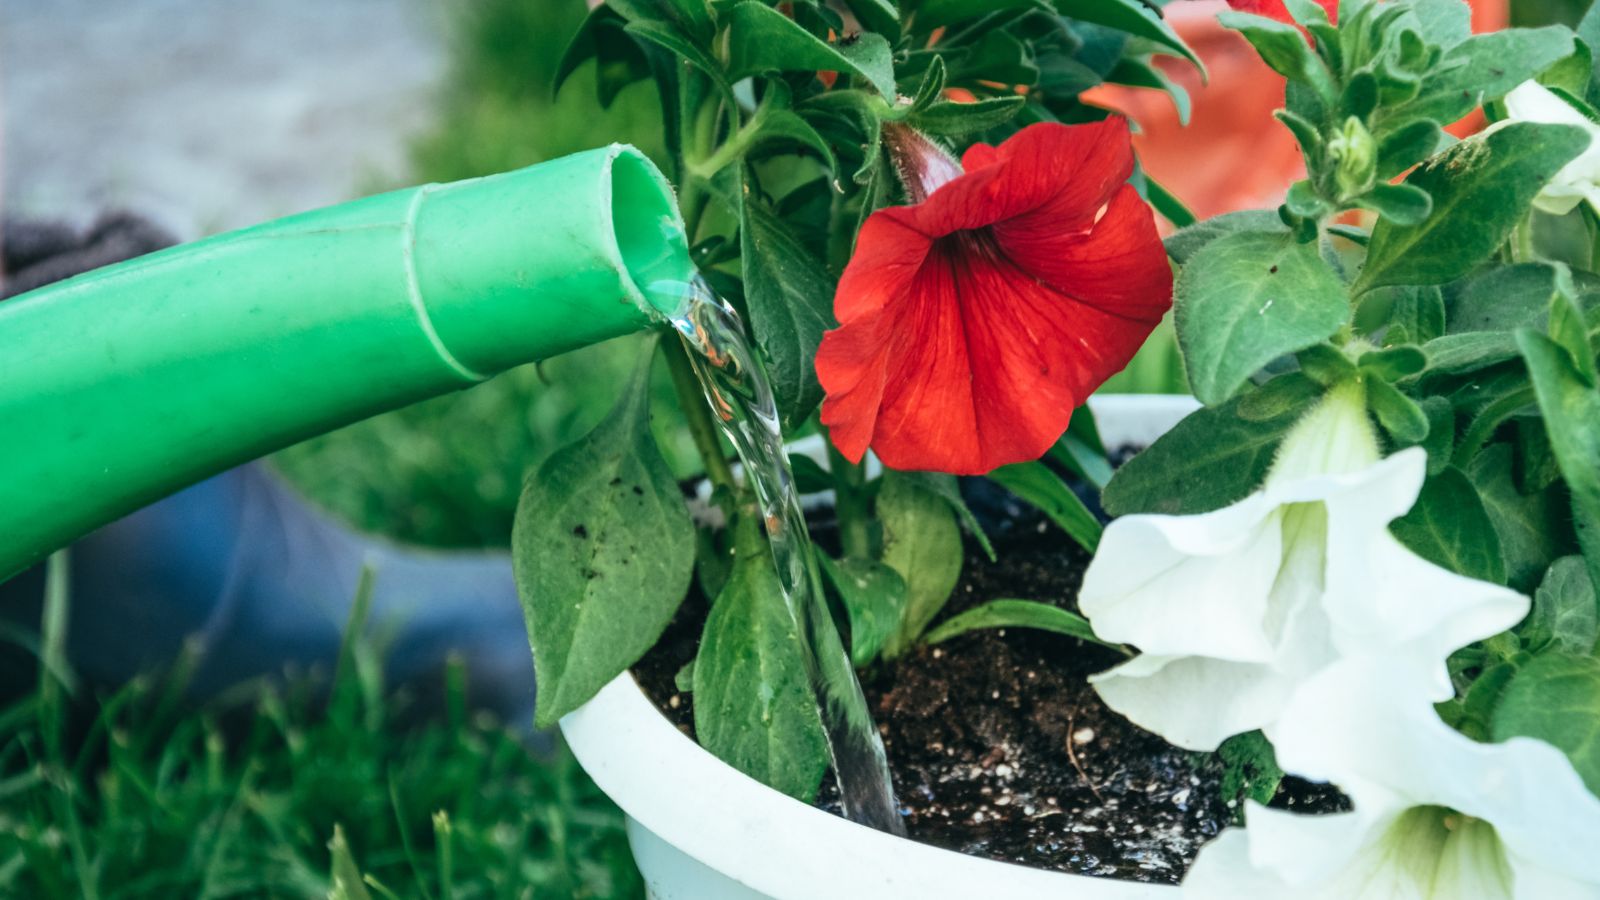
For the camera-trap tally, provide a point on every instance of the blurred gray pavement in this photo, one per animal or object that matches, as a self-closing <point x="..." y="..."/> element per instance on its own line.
<point x="208" y="115"/>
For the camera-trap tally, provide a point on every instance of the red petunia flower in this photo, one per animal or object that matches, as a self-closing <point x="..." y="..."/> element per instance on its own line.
<point x="1274" y="9"/>
<point x="973" y="322"/>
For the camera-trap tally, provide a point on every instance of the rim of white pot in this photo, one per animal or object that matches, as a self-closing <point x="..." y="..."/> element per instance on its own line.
<point x="777" y="845"/>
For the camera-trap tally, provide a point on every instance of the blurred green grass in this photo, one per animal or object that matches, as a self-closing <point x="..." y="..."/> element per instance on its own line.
<point x="135" y="794"/>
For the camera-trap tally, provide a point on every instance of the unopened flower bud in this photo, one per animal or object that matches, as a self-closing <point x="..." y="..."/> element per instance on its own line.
<point x="1355" y="155"/>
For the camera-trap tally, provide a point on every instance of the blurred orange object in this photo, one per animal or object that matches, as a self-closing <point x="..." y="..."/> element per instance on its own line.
<point x="1233" y="154"/>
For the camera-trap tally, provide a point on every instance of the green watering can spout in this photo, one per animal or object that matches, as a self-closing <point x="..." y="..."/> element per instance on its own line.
<point x="127" y="383"/>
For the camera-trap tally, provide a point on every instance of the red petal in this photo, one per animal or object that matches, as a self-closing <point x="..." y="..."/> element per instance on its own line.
<point x="1275" y="9"/>
<point x="971" y="351"/>
<point x="1065" y="171"/>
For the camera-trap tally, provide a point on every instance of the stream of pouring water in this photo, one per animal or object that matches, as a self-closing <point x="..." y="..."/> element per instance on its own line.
<point x="740" y="395"/>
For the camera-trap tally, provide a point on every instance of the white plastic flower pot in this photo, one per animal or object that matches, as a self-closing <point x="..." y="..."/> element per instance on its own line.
<point x="702" y="830"/>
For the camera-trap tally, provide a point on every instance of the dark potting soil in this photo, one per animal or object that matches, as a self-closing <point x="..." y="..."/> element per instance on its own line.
<point x="998" y="745"/>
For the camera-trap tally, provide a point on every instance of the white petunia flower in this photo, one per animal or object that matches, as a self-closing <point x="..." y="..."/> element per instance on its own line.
<point x="1578" y="180"/>
<point x="1435" y="814"/>
<point x="1234" y="609"/>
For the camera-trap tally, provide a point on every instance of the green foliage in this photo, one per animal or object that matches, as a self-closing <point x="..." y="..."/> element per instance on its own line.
<point x="1250" y="769"/>
<point x="1247" y="298"/>
<point x="1212" y="458"/>
<point x="1556" y="698"/>
<point x="1019" y="614"/>
<point x="874" y="598"/>
<point x="753" y="706"/>
<point x="922" y="542"/>
<point x="1044" y="490"/>
<point x="1450" y="526"/>
<point x="1566" y="614"/>
<point x="314" y="788"/>
<point x="791" y="303"/>
<point x="603" y="550"/>
<point x="1480" y="189"/>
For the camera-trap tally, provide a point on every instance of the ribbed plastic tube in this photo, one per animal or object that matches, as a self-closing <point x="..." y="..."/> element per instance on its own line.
<point x="122" y="385"/>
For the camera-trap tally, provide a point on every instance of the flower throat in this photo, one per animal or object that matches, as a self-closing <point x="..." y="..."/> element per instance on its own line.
<point x="740" y="395"/>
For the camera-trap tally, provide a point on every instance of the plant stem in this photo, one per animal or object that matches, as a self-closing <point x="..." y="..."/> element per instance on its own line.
<point x="850" y="504"/>
<point x="697" y="415"/>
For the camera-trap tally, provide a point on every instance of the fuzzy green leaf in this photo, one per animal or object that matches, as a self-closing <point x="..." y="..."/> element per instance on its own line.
<point x="603" y="551"/>
<point x="753" y="706"/>
<point x="761" y="39"/>
<point x="1564" y="609"/>
<point x="1183" y="245"/>
<point x="922" y="542"/>
<point x="1571" y="411"/>
<point x="1212" y="458"/>
<point x="1247" y="299"/>
<point x="1556" y="698"/>
<point x="791" y="304"/>
<point x="1132" y="17"/>
<point x="874" y="599"/>
<point x="1018" y="614"/>
<point x="1449" y="526"/>
<point x="1480" y="188"/>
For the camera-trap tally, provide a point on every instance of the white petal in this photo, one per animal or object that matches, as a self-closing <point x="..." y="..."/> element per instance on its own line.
<point x="1533" y="102"/>
<point x="1223" y="871"/>
<point x="1364" y="725"/>
<point x="1194" y="702"/>
<point x="1378" y="592"/>
<point x="1534" y="882"/>
<point x="1179" y="585"/>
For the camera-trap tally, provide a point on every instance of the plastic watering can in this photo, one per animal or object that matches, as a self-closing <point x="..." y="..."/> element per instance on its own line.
<point x="125" y="384"/>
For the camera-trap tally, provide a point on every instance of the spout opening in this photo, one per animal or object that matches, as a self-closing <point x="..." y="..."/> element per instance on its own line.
<point x="648" y="230"/>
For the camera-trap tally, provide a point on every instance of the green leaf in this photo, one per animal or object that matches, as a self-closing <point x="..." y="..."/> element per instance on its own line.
<point x="1136" y="72"/>
<point x="1484" y="68"/>
<point x="934" y="13"/>
<point x="603" y="550"/>
<point x="949" y="119"/>
<point x="949" y="488"/>
<point x="762" y="39"/>
<point x="809" y="476"/>
<point x="1532" y="527"/>
<point x="1167" y="204"/>
<point x="1571" y="411"/>
<point x="1183" y="245"/>
<point x="1402" y="204"/>
<point x="1283" y="48"/>
<point x="1081" y="451"/>
<point x="753" y="706"/>
<point x="1502" y="298"/>
<point x="1481" y="188"/>
<point x="881" y="16"/>
<point x="1565" y="613"/>
<point x="791" y="304"/>
<point x="1250" y="768"/>
<point x="922" y="542"/>
<point x="618" y="60"/>
<point x="1132" y="17"/>
<point x="1556" y="699"/>
<point x="1449" y="526"/>
<point x="1246" y="299"/>
<point x="1042" y="488"/>
<point x="1399" y="415"/>
<point x="1212" y="458"/>
<point x="1019" y="614"/>
<point x="874" y="598"/>
<point x="346" y="875"/>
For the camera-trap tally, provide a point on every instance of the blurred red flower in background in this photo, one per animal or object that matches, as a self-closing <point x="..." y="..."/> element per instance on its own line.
<point x="973" y="322"/>
<point x="1276" y="10"/>
<point x="1233" y="154"/>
